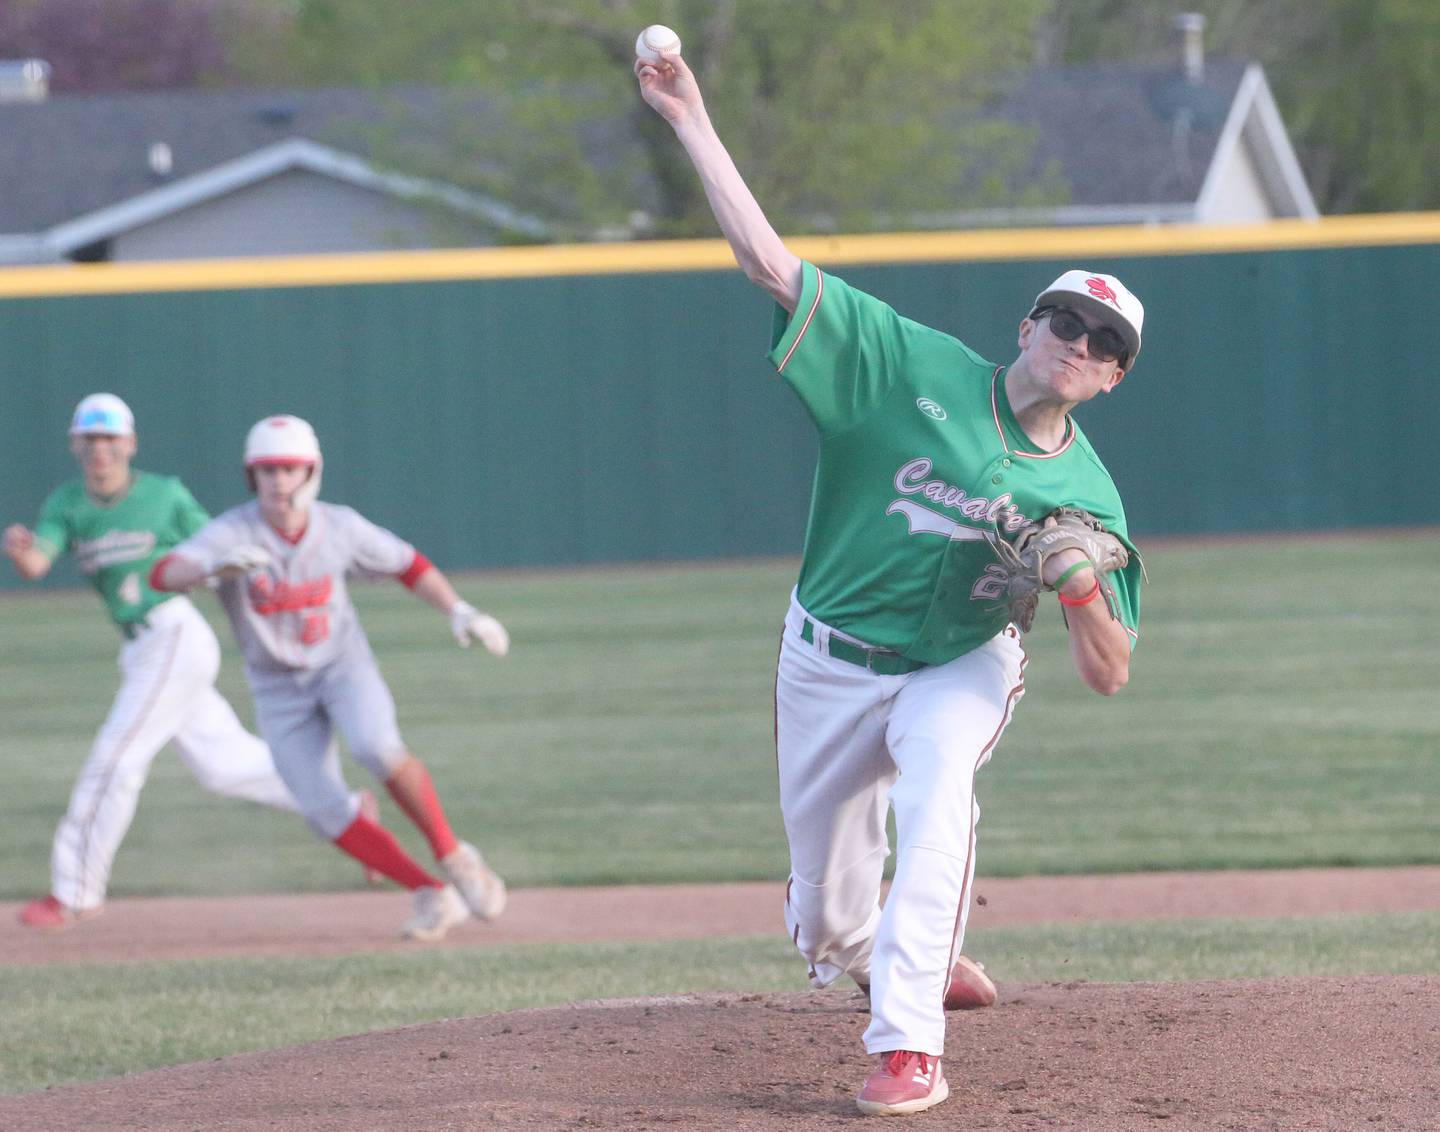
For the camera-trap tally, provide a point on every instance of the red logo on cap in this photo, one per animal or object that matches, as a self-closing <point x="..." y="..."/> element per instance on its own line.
<point x="1102" y="290"/>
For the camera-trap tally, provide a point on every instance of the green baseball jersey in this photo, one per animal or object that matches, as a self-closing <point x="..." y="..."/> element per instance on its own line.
<point x="116" y="543"/>
<point x="922" y="465"/>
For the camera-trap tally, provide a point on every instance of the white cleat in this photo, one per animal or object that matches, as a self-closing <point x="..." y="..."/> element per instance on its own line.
<point x="479" y="884"/>
<point x="437" y="910"/>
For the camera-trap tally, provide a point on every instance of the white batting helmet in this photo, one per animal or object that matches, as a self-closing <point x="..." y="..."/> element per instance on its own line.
<point x="285" y="440"/>
<point x="102" y="414"/>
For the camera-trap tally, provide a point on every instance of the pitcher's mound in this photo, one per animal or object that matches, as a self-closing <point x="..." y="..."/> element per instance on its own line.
<point x="1275" y="1053"/>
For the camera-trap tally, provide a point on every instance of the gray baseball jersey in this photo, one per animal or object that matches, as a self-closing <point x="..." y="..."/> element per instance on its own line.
<point x="296" y="613"/>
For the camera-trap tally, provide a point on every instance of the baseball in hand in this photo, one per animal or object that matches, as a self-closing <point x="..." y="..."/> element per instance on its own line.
<point x="655" y="39"/>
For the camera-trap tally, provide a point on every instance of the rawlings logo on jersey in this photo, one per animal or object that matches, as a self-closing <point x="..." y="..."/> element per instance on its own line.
<point x="931" y="409"/>
<point x="269" y="597"/>
<point x="113" y="548"/>
<point x="911" y="480"/>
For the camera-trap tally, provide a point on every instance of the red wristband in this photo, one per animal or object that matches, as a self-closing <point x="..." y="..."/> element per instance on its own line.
<point x="1086" y="600"/>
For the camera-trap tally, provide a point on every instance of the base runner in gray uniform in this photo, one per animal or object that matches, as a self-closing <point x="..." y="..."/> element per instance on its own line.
<point x="284" y="559"/>
<point x="899" y="669"/>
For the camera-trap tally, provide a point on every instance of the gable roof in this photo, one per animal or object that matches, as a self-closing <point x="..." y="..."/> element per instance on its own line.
<point x="1140" y="143"/>
<point x="80" y="167"/>
<point x="281" y="157"/>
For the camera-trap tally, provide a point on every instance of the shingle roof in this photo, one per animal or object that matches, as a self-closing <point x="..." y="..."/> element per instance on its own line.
<point x="74" y="154"/>
<point x="1125" y="133"/>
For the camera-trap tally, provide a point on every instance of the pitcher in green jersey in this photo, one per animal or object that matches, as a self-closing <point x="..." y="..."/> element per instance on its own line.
<point x="898" y="669"/>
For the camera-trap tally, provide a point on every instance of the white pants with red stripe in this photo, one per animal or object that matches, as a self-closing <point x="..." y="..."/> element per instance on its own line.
<point x="167" y="695"/>
<point x="852" y="744"/>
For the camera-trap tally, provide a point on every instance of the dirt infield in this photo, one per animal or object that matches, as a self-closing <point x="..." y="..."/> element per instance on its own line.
<point x="1274" y="1054"/>
<point x="334" y="923"/>
<point x="1259" y="1054"/>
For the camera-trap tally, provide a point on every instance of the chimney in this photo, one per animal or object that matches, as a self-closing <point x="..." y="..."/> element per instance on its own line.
<point x="24" y="80"/>
<point x="1191" y="26"/>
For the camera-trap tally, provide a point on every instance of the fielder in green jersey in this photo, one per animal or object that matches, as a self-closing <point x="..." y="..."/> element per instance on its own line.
<point x="117" y="522"/>
<point x="900" y="666"/>
<point x="115" y="543"/>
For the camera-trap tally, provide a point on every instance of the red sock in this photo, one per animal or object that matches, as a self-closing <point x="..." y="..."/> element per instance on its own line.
<point x="375" y="847"/>
<point x="422" y="806"/>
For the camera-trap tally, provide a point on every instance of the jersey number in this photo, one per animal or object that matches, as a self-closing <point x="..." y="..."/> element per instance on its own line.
<point x="129" y="591"/>
<point x="315" y="628"/>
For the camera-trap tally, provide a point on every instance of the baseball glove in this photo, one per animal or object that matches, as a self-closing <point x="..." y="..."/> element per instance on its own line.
<point x="1022" y="562"/>
<point x="241" y="560"/>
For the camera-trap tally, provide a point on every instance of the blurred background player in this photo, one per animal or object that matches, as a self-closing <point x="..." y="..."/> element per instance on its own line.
<point x="117" y="523"/>
<point x="283" y="560"/>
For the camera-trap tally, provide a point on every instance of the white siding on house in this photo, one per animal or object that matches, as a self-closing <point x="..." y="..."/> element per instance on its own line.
<point x="294" y="213"/>
<point x="1239" y="196"/>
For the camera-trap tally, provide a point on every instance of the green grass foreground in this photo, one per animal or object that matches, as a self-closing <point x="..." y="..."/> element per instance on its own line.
<point x="65" y="1024"/>
<point x="1280" y="713"/>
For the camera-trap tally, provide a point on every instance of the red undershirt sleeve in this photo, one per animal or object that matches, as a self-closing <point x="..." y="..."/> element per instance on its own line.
<point x="419" y="565"/>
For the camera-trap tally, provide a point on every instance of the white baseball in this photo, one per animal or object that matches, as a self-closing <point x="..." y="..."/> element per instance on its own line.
<point x="655" y="39"/>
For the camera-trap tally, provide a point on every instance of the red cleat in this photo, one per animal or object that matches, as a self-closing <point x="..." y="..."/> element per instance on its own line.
<point x="970" y="988"/>
<point x="48" y="913"/>
<point x="906" y="1082"/>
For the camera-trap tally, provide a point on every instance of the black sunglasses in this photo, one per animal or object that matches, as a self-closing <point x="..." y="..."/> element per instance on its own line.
<point x="1105" y="343"/>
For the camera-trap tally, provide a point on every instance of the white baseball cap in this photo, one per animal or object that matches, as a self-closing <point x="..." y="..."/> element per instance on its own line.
<point x="1103" y="296"/>
<point x="102" y="414"/>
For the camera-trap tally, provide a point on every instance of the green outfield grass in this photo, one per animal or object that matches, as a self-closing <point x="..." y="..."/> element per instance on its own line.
<point x="67" y="1024"/>
<point x="1281" y="712"/>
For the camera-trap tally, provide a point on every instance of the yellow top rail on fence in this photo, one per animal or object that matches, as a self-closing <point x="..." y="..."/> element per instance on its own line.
<point x="651" y="256"/>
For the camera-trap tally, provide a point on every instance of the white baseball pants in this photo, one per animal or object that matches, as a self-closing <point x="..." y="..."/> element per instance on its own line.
<point x="167" y="695"/>
<point x="850" y="745"/>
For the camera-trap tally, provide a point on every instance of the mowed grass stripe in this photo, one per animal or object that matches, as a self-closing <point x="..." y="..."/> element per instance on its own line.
<point x="1280" y="714"/>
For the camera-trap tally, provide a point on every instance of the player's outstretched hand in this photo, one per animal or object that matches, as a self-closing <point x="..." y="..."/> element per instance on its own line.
<point x="18" y="539"/>
<point x="466" y="622"/>
<point x="669" y="87"/>
<point x="240" y="561"/>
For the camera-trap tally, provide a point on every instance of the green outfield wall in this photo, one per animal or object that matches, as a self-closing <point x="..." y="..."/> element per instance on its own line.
<point x="538" y="406"/>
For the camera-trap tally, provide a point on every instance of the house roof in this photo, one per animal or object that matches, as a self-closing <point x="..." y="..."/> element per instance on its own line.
<point x="1132" y="142"/>
<point x="1126" y="134"/>
<point x="74" y="154"/>
<point x="81" y="167"/>
<point x="1141" y="142"/>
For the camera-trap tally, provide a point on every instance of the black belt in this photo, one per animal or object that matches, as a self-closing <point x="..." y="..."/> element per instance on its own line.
<point x="132" y="629"/>
<point x="882" y="662"/>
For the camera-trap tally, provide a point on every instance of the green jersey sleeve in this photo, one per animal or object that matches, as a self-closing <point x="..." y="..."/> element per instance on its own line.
<point x="52" y="530"/>
<point x="1104" y="504"/>
<point x="1126" y="584"/>
<point x="842" y="351"/>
